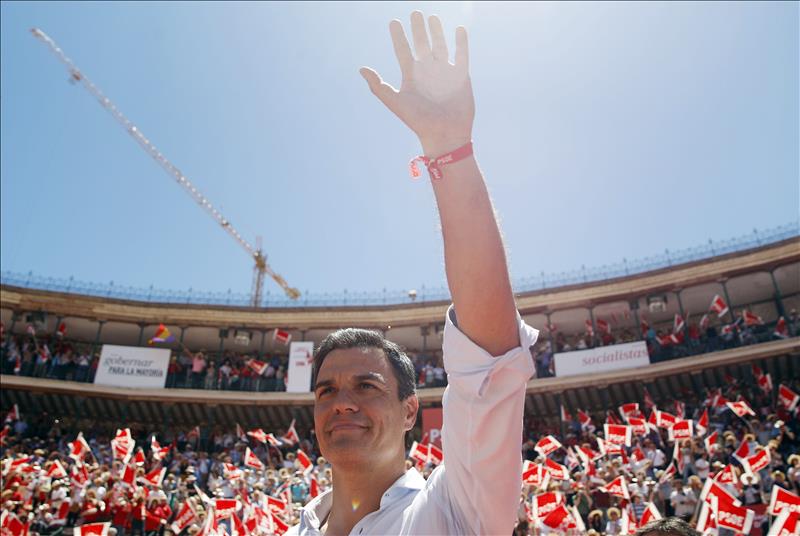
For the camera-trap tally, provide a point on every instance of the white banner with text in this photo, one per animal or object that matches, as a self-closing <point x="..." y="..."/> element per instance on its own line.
<point x="132" y="366"/>
<point x="602" y="359"/>
<point x="301" y="359"/>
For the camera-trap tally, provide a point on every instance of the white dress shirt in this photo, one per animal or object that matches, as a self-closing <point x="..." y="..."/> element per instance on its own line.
<point x="476" y="489"/>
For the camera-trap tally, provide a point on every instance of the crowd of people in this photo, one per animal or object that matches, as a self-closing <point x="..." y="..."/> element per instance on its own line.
<point x="666" y="342"/>
<point x="59" y="474"/>
<point x="46" y="356"/>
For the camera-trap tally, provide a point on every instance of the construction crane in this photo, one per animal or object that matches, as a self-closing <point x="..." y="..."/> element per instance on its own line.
<point x="261" y="268"/>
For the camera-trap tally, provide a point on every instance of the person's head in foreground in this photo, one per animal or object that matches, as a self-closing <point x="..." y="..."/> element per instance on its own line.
<point x="670" y="526"/>
<point x="365" y="402"/>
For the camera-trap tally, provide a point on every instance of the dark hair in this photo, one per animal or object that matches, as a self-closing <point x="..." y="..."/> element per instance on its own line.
<point x="669" y="526"/>
<point x="362" y="338"/>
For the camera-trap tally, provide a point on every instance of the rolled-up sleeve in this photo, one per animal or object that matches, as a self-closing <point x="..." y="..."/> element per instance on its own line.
<point x="482" y="427"/>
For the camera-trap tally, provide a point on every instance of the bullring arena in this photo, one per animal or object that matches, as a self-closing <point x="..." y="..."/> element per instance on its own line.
<point x="57" y="400"/>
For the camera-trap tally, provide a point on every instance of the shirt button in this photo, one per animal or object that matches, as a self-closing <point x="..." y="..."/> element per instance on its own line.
<point x="360" y="530"/>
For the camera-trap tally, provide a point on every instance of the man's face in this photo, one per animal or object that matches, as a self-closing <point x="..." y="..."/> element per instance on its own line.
<point x="358" y="416"/>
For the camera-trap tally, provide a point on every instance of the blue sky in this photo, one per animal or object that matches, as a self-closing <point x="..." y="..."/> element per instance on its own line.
<point x="604" y="130"/>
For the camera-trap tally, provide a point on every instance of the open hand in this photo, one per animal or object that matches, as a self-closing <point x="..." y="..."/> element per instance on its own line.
<point x="435" y="98"/>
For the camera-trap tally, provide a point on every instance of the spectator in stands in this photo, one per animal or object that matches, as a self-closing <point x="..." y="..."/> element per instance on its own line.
<point x="211" y="376"/>
<point x="199" y="365"/>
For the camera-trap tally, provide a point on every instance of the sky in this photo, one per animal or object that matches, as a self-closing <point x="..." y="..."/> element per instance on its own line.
<point x="604" y="130"/>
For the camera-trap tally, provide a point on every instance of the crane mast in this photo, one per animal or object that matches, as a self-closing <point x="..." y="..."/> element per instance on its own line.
<point x="260" y="268"/>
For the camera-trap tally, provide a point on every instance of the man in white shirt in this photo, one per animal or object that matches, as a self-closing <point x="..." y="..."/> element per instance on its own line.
<point x="365" y="385"/>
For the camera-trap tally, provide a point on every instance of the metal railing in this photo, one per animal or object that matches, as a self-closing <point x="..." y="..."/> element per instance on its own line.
<point x="394" y="297"/>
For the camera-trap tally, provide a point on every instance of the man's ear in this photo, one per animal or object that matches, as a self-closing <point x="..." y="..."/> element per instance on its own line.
<point x="411" y="407"/>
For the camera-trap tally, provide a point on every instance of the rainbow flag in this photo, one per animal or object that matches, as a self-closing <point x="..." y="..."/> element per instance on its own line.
<point x="162" y="335"/>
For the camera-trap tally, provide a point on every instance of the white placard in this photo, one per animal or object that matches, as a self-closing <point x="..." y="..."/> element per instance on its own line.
<point x="301" y="359"/>
<point x="132" y="366"/>
<point x="602" y="359"/>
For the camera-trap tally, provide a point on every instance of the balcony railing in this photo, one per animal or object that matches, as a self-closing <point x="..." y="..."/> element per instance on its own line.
<point x="395" y="297"/>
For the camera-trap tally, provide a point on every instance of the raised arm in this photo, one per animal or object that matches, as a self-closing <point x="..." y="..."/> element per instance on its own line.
<point x="435" y="100"/>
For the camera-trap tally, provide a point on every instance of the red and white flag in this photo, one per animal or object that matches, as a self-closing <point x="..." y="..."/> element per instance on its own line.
<point x="92" y="529"/>
<point x="185" y="517"/>
<point x="711" y="442"/>
<point x="558" y="518"/>
<point x="713" y="489"/>
<point x="786" y="524"/>
<point x="781" y="500"/>
<point x="139" y="458"/>
<point x="627" y="524"/>
<point x="418" y="452"/>
<point x="278" y="526"/>
<point x="231" y="472"/>
<point x="788" y="398"/>
<point x="260" y="367"/>
<point x="558" y="471"/>
<point x="668" y="473"/>
<point x="435" y="454"/>
<point x="765" y="383"/>
<point x="313" y="487"/>
<point x="546" y="445"/>
<point x="650" y="513"/>
<point x="260" y="435"/>
<point x="728" y="475"/>
<point x="702" y="423"/>
<point x="56" y="470"/>
<point x="238" y="528"/>
<point x="638" y="426"/>
<point x="277" y="505"/>
<point x="251" y="460"/>
<point x="611" y="418"/>
<point x="13" y="415"/>
<point x="718" y="305"/>
<point x="535" y="474"/>
<point x="544" y="503"/>
<point x="565" y="415"/>
<point x="602" y="326"/>
<point x="159" y="452"/>
<point x="155" y="477"/>
<point x="572" y="459"/>
<point x="304" y="461"/>
<point x="741" y="408"/>
<point x="618" y="488"/>
<point x="678" y="324"/>
<point x="78" y="448"/>
<point x="637" y="454"/>
<point x="743" y="451"/>
<point x="663" y="419"/>
<point x="751" y="319"/>
<point x="281" y="336"/>
<point x="129" y="476"/>
<point x="756" y="462"/>
<point x="682" y="429"/>
<point x="291" y="437"/>
<point x="706" y="521"/>
<point x="618" y="434"/>
<point x="225" y="508"/>
<point x="732" y="516"/>
<point x="629" y="410"/>
<point x="704" y="321"/>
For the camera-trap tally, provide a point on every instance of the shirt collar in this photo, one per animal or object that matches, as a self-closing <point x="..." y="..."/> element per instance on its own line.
<point x="318" y="509"/>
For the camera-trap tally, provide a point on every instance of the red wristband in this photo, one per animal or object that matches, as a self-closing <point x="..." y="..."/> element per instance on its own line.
<point x="433" y="164"/>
